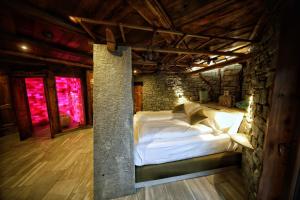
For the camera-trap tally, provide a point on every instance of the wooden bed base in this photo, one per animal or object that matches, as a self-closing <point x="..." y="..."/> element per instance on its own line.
<point x="184" y="169"/>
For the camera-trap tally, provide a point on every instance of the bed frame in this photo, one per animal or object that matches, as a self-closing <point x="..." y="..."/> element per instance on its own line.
<point x="184" y="169"/>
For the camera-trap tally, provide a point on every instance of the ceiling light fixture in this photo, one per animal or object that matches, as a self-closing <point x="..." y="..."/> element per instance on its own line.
<point x="135" y="71"/>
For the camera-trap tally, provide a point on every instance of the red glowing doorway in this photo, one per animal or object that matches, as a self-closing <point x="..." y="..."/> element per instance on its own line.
<point x="38" y="106"/>
<point x="70" y="102"/>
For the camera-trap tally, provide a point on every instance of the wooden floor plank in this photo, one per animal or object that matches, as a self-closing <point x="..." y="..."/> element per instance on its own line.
<point x="157" y="191"/>
<point x="178" y="190"/>
<point x="202" y="189"/>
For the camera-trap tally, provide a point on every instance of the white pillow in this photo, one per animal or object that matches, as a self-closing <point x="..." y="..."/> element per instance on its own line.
<point x="227" y="122"/>
<point x="191" y="107"/>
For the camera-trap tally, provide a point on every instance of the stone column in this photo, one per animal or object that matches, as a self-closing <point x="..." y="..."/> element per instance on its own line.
<point x="114" y="172"/>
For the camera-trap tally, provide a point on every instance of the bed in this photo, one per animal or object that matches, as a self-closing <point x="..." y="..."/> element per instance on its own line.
<point x="163" y="136"/>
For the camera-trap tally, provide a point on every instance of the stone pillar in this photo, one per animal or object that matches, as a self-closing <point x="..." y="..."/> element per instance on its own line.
<point x="114" y="172"/>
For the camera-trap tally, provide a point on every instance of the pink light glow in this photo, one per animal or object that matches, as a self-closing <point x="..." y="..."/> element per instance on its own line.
<point x="69" y="96"/>
<point x="37" y="100"/>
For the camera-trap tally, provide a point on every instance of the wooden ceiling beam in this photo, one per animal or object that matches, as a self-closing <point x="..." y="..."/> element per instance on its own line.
<point x="51" y="60"/>
<point x="223" y="64"/>
<point x="153" y="12"/>
<point x="122" y="33"/>
<point x="149" y="63"/>
<point x="223" y="45"/>
<point x="21" y="62"/>
<point x="158" y="10"/>
<point x="180" y="40"/>
<point x="184" y="51"/>
<point x="87" y="30"/>
<point x="197" y="47"/>
<point x="159" y="30"/>
<point x="26" y="9"/>
<point x="44" y="44"/>
<point x="258" y="26"/>
<point x="144" y="63"/>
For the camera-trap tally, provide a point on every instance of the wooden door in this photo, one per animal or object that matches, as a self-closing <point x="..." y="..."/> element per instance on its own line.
<point x="21" y="107"/>
<point x="138" y="97"/>
<point x="7" y="115"/>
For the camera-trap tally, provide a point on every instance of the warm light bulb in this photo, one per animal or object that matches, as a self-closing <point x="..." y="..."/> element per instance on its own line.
<point x="135" y="71"/>
<point x="24" y="47"/>
<point x="73" y="19"/>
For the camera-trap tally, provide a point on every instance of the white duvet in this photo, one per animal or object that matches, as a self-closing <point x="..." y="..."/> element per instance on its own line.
<point x="168" y="130"/>
<point x="164" y="136"/>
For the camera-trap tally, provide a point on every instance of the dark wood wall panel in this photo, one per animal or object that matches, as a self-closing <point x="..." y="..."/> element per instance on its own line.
<point x="89" y="101"/>
<point x="7" y="115"/>
<point x="21" y="107"/>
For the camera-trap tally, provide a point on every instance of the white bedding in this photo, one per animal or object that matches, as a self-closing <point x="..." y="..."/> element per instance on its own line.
<point x="165" y="137"/>
<point x="168" y="130"/>
<point x="181" y="148"/>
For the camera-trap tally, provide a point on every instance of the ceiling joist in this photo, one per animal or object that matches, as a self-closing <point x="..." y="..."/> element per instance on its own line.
<point x="45" y="44"/>
<point x="166" y="64"/>
<point x="159" y="30"/>
<point x="28" y="10"/>
<point x="51" y="60"/>
<point x="87" y="30"/>
<point x="184" y="51"/>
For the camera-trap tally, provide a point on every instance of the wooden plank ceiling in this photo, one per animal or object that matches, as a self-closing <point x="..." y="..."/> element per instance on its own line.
<point x="201" y="30"/>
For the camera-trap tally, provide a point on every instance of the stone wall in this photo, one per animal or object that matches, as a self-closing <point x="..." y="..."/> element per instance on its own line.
<point x="164" y="91"/>
<point x="258" y="81"/>
<point x="231" y="80"/>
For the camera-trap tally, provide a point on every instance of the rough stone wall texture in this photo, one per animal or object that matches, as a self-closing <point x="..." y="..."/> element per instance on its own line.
<point x="231" y="81"/>
<point x="114" y="173"/>
<point x="258" y="81"/>
<point x="164" y="91"/>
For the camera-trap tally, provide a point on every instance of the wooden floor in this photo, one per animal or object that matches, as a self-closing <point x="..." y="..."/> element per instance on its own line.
<point x="62" y="169"/>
